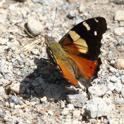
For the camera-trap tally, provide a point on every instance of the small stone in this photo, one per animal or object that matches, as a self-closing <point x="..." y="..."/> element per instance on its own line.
<point x="70" y="106"/>
<point x="43" y="99"/>
<point x="119" y="101"/>
<point x="78" y="100"/>
<point x="98" y="90"/>
<point x="98" y="107"/>
<point x="111" y="86"/>
<point x="113" y="79"/>
<point x="118" y="86"/>
<point x="15" y="100"/>
<point x="120" y="63"/>
<point x="50" y="112"/>
<point x="122" y="91"/>
<point x="82" y="8"/>
<point x="119" y="15"/>
<point x="76" y="113"/>
<point x="120" y="2"/>
<point x="35" y="51"/>
<point x="62" y="104"/>
<point x="15" y="87"/>
<point x="34" y="26"/>
<point x="2" y="92"/>
<point x="73" y="1"/>
<point x="119" y="31"/>
<point x="65" y="111"/>
<point x="2" y="113"/>
<point x="122" y="79"/>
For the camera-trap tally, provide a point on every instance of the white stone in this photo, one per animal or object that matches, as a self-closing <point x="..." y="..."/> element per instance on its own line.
<point x="98" y="90"/>
<point x="15" y="87"/>
<point x="111" y="86"/>
<point x="120" y="63"/>
<point x="98" y="107"/>
<point x="119" y="15"/>
<point x="122" y="91"/>
<point x="119" y="31"/>
<point x="113" y="79"/>
<point x="65" y="111"/>
<point x="34" y="26"/>
<point x="70" y="106"/>
<point x="118" y="86"/>
<point x="76" y="113"/>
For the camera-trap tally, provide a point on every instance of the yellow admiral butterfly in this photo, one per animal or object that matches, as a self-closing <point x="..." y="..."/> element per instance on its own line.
<point x="77" y="53"/>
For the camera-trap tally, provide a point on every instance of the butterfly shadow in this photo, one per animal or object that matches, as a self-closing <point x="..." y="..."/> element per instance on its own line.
<point x="45" y="80"/>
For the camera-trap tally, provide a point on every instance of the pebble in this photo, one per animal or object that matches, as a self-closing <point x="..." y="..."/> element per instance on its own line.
<point x="122" y="91"/>
<point x="98" y="107"/>
<point x="15" y="100"/>
<point x="113" y="79"/>
<point x="119" y="101"/>
<point x="78" y="100"/>
<point x="76" y="113"/>
<point x="119" y="31"/>
<point x="15" y="87"/>
<point x="65" y="111"/>
<point x="2" y="113"/>
<point x="62" y="104"/>
<point x="47" y="2"/>
<point x="118" y="1"/>
<point x="119" y="15"/>
<point x="111" y="86"/>
<point x="35" y="51"/>
<point x="118" y="86"/>
<point x="43" y="99"/>
<point x="70" y="106"/>
<point x="120" y="63"/>
<point x="34" y="26"/>
<point x="122" y="79"/>
<point x="98" y="90"/>
<point x="2" y="92"/>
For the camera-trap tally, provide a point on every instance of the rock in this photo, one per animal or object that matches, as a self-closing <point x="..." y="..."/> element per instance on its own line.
<point x="122" y="79"/>
<point x="76" y="113"/>
<point x="2" y="113"/>
<point x="62" y="104"/>
<point x="98" y="90"/>
<point x="120" y="63"/>
<point x="46" y="2"/>
<point x="43" y="99"/>
<point x="15" y="87"/>
<point x="98" y="107"/>
<point x="122" y="91"/>
<point x="111" y="86"/>
<point x="119" y="31"/>
<point x="34" y="27"/>
<point x="15" y="100"/>
<point x="2" y="92"/>
<point x="78" y="100"/>
<point x="70" y="106"/>
<point x="119" y="15"/>
<point x="35" y="51"/>
<point x="118" y="86"/>
<point x="120" y="2"/>
<point x="113" y="79"/>
<point x="119" y="101"/>
<point x="65" y="111"/>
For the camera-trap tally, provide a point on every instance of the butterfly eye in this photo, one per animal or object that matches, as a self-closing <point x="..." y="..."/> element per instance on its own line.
<point x="95" y="33"/>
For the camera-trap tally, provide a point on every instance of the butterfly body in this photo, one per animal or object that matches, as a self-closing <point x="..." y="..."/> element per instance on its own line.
<point x="77" y="53"/>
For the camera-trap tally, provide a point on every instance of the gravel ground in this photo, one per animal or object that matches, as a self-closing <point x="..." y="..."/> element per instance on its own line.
<point x="32" y="90"/>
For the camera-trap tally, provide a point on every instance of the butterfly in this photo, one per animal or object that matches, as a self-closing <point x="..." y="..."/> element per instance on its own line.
<point x="77" y="53"/>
